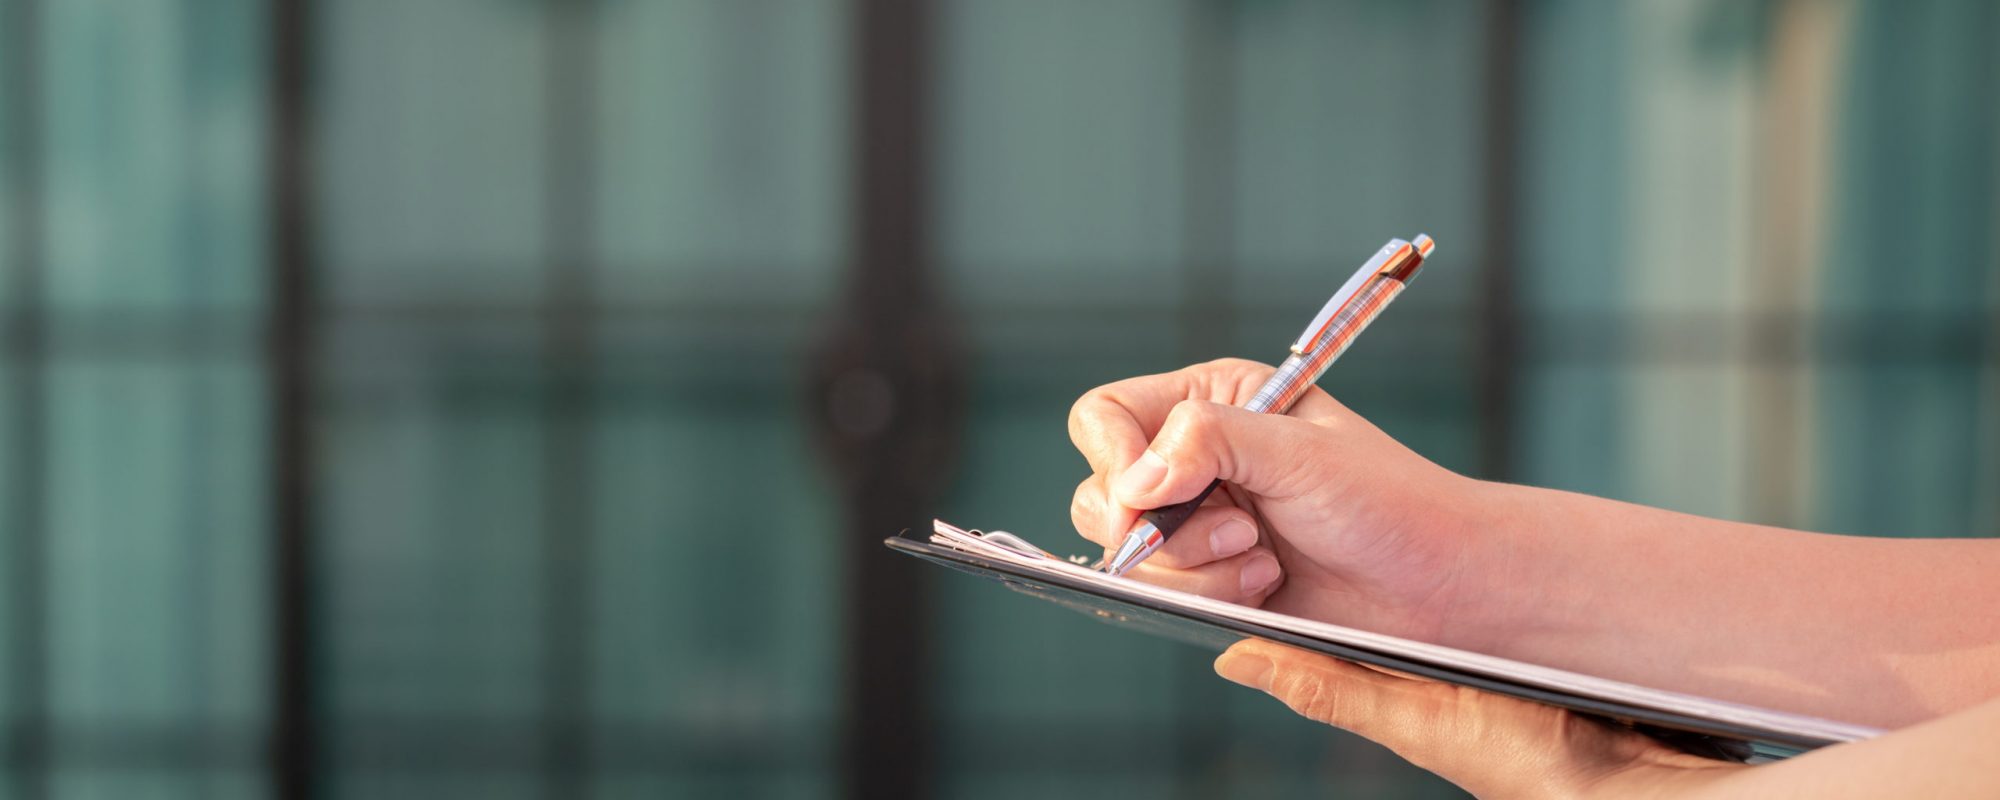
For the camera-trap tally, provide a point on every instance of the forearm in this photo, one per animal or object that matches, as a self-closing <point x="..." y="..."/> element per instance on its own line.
<point x="1874" y="631"/>
<point x="1951" y="757"/>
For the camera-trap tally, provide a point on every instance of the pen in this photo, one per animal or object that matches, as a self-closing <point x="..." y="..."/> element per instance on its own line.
<point x="1358" y="303"/>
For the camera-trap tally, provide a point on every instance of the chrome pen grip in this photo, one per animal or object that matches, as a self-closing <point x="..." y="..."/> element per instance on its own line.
<point x="1170" y="518"/>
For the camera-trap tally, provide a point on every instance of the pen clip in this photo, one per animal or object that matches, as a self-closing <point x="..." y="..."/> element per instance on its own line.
<point x="1392" y="256"/>
<point x="1405" y="268"/>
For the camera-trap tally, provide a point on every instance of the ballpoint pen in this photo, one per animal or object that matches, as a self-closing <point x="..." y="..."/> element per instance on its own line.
<point x="1358" y="303"/>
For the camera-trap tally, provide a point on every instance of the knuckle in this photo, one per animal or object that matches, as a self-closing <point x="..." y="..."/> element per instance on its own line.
<point x="1181" y="428"/>
<point x="1310" y="696"/>
<point x="1193" y="415"/>
<point x="1228" y="364"/>
<point x="1237" y="366"/>
<point x="1080" y="409"/>
<point x="1193" y="432"/>
<point x="1234" y="377"/>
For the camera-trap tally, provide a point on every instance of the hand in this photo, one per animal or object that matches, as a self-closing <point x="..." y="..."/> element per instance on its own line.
<point x="1490" y="745"/>
<point x="1323" y="516"/>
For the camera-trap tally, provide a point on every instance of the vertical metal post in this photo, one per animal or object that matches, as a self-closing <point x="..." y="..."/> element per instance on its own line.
<point x="1207" y="304"/>
<point x="1499" y="346"/>
<point x="1208" y="169"/>
<point x="568" y="525"/>
<point x="291" y="360"/>
<point x="27" y="467"/>
<point x="886" y="397"/>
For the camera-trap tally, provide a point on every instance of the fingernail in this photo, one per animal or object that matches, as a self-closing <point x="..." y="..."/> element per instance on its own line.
<point x="1235" y="536"/>
<point x="1141" y="477"/>
<point x="1248" y="669"/>
<point x="1259" y="573"/>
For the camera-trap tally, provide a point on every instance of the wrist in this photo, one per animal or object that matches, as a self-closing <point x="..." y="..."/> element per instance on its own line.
<point x="1665" y="777"/>
<point x="1503" y="587"/>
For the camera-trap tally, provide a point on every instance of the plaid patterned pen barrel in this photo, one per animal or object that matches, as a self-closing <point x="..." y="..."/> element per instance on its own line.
<point x="1370" y="290"/>
<point x="1323" y="342"/>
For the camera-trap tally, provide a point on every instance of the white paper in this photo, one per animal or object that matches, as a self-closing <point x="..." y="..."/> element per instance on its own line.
<point x="1556" y="680"/>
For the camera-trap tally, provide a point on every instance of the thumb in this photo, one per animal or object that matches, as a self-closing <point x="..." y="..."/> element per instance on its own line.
<point x="1267" y="454"/>
<point x="1375" y="704"/>
<point x="1415" y="718"/>
<point x="1411" y="717"/>
<point x="1489" y="745"/>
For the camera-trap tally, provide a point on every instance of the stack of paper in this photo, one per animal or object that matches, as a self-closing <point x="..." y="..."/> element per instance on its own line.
<point x="1705" y="725"/>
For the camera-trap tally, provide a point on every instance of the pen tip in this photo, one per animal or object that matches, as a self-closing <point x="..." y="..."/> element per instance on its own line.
<point x="1141" y="542"/>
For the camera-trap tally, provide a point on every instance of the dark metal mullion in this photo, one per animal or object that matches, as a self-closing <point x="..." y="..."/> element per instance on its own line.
<point x="292" y="359"/>
<point x="1208" y="181"/>
<point x="887" y="395"/>
<point x="568" y="524"/>
<point x="27" y="346"/>
<point x="1499" y="342"/>
<point x="1208" y="313"/>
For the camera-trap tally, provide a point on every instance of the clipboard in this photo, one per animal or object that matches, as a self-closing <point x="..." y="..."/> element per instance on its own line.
<point x="1702" y="726"/>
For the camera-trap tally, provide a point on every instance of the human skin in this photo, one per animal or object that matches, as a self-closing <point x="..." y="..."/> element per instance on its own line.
<point x="1325" y="516"/>
<point x="1501" y="747"/>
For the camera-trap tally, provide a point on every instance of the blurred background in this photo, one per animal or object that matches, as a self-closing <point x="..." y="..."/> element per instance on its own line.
<point x="508" y="398"/>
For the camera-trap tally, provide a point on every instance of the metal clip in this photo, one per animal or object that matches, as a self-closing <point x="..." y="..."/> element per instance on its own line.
<point x="1391" y="255"/>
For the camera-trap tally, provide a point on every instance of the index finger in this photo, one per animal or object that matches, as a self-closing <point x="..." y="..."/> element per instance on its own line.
<point x="1112" y="424"/>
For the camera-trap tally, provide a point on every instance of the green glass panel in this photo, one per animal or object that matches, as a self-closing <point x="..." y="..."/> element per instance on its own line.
<point x="1909" y="285"/>
<point x="1060" y="175"/>
<point x="117" y="784"/>
<point x="155" y="548"/>
<point x="153" y="168"/>
<point x="432" y="547"/>
<point x="720" y="162"/>
<point x="715" y="568"/>
<point x="431" y="143"/>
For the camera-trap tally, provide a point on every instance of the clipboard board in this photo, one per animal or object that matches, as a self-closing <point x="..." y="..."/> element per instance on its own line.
<point x="1702" y="726"/>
